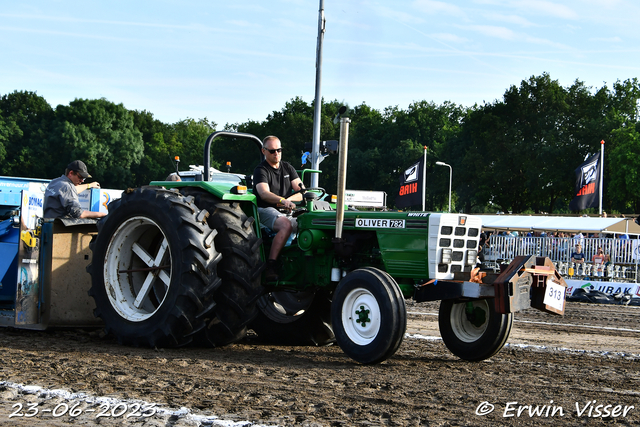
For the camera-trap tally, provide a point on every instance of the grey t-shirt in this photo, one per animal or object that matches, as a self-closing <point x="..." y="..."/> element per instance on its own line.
<point x="61" y="199"/>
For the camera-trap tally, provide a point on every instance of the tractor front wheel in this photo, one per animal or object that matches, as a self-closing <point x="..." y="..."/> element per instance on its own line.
<point x="368" y="315"/>
<point x="472" y="330"/>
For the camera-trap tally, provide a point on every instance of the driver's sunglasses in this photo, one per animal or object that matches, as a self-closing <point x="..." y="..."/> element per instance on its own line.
<point x="274" y="151"/>
<point x="79" y="176"/>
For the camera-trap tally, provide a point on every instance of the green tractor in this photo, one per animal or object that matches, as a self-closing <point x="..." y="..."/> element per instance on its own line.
<point x="176" y="263"/>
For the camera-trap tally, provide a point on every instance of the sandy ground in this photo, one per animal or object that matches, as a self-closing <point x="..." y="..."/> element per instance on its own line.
<point x="580" y="369"/>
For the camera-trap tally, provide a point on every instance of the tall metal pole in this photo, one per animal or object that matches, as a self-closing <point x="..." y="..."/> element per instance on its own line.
<point x="424" y="179"/>
<point x="601" y="173"/>
<point x="315" y="147"/>
<point x="450" y="176"/>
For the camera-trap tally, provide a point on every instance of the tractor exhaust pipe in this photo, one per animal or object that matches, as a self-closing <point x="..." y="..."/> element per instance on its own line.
<point x="342" y="175"/>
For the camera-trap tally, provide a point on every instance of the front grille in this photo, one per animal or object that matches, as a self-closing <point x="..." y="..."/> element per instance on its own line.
<point x="460" y="237"/>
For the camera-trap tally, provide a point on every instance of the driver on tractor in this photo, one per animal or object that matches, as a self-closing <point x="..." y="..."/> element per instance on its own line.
<point x="277" y="185"/>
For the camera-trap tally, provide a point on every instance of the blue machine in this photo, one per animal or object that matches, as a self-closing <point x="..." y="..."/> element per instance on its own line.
<point x="11" y="194"/>
<point x="31" y="292"/>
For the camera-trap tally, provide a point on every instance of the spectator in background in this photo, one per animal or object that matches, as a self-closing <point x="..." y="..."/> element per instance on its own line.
<point x="173" y="177"/>
<point x="598" y="261"/>
<point x="578" y="256"/>
<point x="481" y="246"/>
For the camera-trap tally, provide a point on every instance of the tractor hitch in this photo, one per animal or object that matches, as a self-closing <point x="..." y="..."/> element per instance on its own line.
<point x="529" y="281"/>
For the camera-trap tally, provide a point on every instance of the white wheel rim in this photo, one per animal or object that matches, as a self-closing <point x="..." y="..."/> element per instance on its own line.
<point x="138" y="244"/>
<point x="361" y="316"/>
<point x="462" y="327"/>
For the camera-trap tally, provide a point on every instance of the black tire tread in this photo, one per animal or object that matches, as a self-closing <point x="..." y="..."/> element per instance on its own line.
<point x="231" y="301"/>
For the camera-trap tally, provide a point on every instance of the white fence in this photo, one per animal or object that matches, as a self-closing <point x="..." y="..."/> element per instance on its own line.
<point x="623" y="255"/>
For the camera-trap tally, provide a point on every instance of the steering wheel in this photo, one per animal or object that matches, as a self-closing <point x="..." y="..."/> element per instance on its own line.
<point x="304" y="190"/>
<point x="301" y="206"/>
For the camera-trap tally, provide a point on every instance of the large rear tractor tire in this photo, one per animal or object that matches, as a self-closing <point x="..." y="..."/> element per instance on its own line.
<point x="472" y="330"/>
<point x="294" y="318"/>
<point x="234" y="294"/>
<point x="369" y="315"/>
<point x="153" y="259"/>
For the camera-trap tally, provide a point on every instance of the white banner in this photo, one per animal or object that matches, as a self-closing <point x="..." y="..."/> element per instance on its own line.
<point x="372" y="199"/>
<point x="609" y="288"/>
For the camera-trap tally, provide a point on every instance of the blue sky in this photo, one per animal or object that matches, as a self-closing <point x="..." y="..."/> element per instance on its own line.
<point x="233" y="61"/>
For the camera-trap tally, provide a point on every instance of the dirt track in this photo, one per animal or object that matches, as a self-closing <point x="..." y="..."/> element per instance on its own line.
<point x="557" y="365"/>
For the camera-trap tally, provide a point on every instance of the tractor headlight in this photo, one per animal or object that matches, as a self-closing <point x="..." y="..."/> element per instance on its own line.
<point x="446" y="256"/>
<point x="472" y="257"/>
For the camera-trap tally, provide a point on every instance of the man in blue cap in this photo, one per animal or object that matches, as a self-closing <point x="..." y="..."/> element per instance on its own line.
<point x="61" y="196"/>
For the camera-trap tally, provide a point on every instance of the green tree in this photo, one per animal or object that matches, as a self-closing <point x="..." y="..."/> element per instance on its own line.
<point x="27" y="119"/>
<point x="294" y="126"/>
<point x="622" y="161"/>
<point x="100" y="133"/>
<point x="386" y="143"/>
<point x="519" y="153"/>
<point x="190" y="136"/>
<point x="624" y="178"/>
<point x="158" y="159"/>
<point x="6" y="134"/>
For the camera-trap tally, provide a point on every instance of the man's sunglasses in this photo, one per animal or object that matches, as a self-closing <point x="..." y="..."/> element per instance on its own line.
<point x="274" y="151"/>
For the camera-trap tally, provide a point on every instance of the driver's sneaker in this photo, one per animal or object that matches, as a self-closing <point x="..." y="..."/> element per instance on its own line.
<point x="271" y="273"/>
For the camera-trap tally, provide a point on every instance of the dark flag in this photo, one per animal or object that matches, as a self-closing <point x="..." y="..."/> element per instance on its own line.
<point x="587" y="188"/>
<point x="410" y="193"/>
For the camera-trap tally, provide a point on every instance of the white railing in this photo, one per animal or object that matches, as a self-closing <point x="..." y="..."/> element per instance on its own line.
<point x="622" y="255"/>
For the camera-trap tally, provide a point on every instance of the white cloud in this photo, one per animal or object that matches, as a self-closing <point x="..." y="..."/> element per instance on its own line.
<point x="606" y="39"/>
<point x="300" y="27"/>
<point x="240" y="23"/>
<point x="436" y="7"/>
<point x="403" y="17"/>
<point x="493" y="31"/>
<point x="510" y="19"/>
<point x="545" y="42"/>
<point x="544" y="7"/>
<point x="449" y="38"/>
